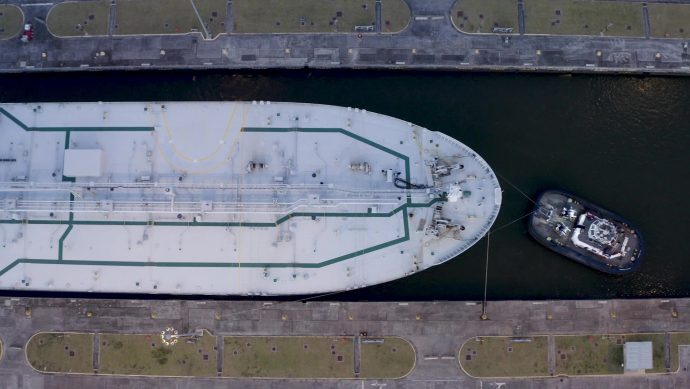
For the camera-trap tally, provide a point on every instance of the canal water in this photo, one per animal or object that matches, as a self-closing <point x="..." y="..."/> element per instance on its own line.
<point x="621" y="142"/>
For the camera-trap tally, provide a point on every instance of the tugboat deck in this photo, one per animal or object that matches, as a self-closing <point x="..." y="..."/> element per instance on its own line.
<point x="586" y="233"/>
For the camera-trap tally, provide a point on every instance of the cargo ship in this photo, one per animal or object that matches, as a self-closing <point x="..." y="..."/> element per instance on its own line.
<point x="586" y="233"/>
<point x="230" y="198"/>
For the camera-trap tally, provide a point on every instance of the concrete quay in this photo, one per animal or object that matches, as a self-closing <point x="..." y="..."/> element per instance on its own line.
<point x="436" y="329"/>
<point x="430" y="42"/>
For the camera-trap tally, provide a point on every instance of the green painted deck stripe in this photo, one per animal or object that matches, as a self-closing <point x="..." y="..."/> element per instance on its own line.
<point x="223" y="264"/>
<point x="216" y="224"/>
<point x="406" y="224"/>
<point x="60" y="129"/>
<point x="281" y="220"/>
<point x="10" y="267"/>
<point x="334" y="130"/>
<point x="302" y="265"/>
<point x="14" y="119"/>
<point x="360" y="138"/>
<point x="62" y="240"/>
<point x="91" y="129"/>
<point x="68" y="136"/>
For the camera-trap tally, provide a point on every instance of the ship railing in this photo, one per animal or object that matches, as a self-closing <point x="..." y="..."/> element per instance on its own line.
<point x="172" y="187"/>
<point x="197" y="207"/>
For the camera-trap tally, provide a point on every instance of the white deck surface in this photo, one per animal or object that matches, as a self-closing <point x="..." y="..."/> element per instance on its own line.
<point x="177" y="208"/>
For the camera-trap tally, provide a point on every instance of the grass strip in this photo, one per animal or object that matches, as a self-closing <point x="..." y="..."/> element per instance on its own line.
<point x="11" y="21"/>
<point x="60" y="352"/>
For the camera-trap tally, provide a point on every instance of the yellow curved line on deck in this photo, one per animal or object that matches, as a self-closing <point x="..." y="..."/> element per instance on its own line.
<point x="185" y="157"/>
<point x="215" y="167"/>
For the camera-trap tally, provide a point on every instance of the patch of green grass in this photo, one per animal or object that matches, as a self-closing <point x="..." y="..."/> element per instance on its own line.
<point x="155" y="17"/>
<point x="394" y="358"/>
<point x="501" y="356"/>
<point x="61" y="352"/>
<point x="11" y="21"/>
<point x="669" y="20"/>
<point x="146" y="355"/>
<point x="280" y="16"/>
<point x="481" y="16"/>
<point x="290" y="357"/>
<point x="678" y="339"/>
<point x="214" y="13"/>
<point x="395" y="15"/>
<point x="589" y="354"/>
<point x="583" y="17"/>
<point x="84" y="18"/>
<point x="602" y="354"/>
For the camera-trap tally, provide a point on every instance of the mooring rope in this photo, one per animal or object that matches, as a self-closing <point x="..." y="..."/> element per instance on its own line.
<point x="511" y="222"/>
<point x="486" y="275"/>
<point x="515" y="186"/>
<point x="488" y="240"/>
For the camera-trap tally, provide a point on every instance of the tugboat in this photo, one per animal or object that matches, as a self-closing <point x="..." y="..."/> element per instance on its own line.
<point x="586" y="233"/>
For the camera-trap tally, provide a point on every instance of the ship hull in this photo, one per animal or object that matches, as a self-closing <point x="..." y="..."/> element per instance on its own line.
<point x="230" y="198"/>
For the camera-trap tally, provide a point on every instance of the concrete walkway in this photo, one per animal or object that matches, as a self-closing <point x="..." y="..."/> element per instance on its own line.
<point x="429" y="42"/>
<point x="552" y="354"/>
<point x="437" y="337"/>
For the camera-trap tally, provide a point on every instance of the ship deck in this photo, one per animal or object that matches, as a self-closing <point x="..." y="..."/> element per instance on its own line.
<point x="229" y="198"/>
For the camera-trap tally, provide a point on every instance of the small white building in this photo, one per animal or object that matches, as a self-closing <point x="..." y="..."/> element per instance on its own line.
<point x="637" y="356"/>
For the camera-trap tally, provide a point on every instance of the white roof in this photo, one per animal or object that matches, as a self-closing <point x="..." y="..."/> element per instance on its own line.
<point x="83" y="163"/>
<point x="637" y="356"/>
